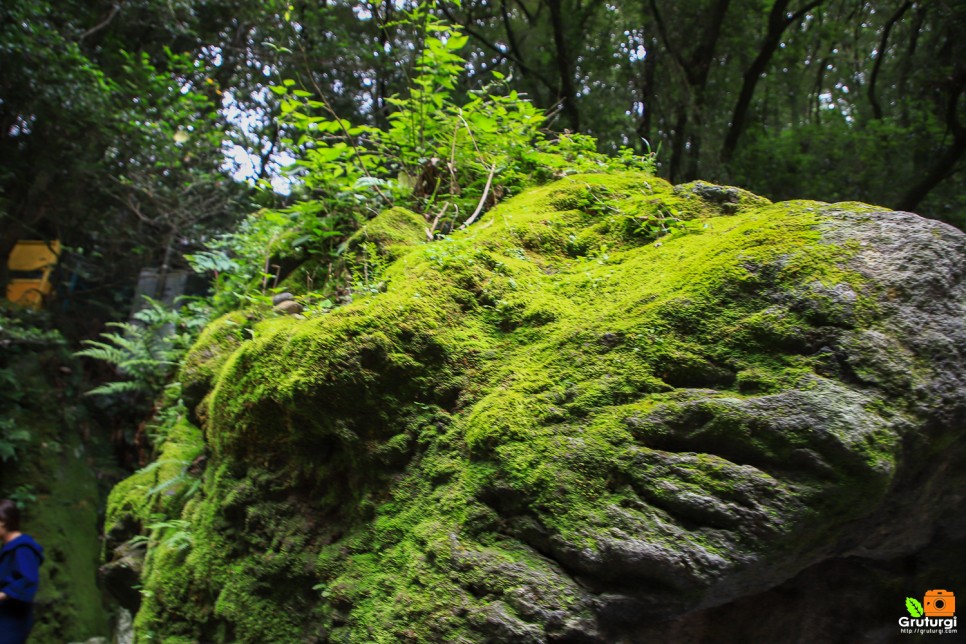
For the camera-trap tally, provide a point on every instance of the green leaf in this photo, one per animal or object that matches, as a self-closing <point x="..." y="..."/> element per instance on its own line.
<point x="456" y="42"/>
<point x="7" y="452"/>
<point x="914" y="607"/>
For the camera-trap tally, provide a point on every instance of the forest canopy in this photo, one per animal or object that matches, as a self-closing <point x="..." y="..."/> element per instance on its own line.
<point x="136" y="131"/>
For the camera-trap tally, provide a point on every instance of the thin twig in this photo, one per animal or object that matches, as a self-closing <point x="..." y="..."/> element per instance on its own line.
<point x="93" y="30"/>
<point x="345" y="132"/>
<point x="278" y="274"/>
<point x="452" y="150"/>
<point x="451" y="166"/>
<point x="479" y="206"/>
<point x="472" y="138"/>
<point x="431" y="231"/>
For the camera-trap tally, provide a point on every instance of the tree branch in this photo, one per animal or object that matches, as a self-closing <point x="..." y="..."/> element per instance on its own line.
<point x="526" y="12"/>
<point x="662" y="30"/>
<point x="479" y="206"/>
<point x="945" y="165"/>
<point x="778" y="22"/>
<point x="883" y="43"/>
<point x="104" y="23"/>
<point x="505" y="55"/>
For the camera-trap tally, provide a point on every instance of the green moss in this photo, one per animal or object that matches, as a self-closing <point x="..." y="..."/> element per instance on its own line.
<point x="159" y="487"/>
<point x="392" y="231"/>
<point x="234" y="567"/>
<point x="530" y="385"/>
<point x="209" y="353"/>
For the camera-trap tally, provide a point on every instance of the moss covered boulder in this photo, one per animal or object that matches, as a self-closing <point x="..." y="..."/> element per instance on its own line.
<point x="610" y="403"/>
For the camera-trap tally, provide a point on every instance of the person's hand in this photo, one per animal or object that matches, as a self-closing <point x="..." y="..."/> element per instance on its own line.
<point x="3" y="597"/>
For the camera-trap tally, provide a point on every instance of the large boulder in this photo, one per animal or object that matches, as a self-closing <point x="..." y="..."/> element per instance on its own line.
<point x="611" y="404"/>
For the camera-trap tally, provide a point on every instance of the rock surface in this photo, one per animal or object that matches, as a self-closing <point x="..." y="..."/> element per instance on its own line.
<point x="289" y="307"/>
<point x="122" y="575"/>
<point x="564" y="424"/>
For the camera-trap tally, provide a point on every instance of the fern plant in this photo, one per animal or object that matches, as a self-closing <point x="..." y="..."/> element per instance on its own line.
<point x="182" y="484"/>
<point x="144" y="352"/>
<point x="174" y="534"/>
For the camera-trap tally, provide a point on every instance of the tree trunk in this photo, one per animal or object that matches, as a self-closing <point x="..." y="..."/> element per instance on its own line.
<point x="942" y="168"/>
<point x="945" y="165"/>
<point x="696" y="68"/>
<point x="677" y="143"/>
<point x="647" y="101"/>
<point x="568" y="92"/>
<point x="883" y="43"/>
<point x="778" y="22"/>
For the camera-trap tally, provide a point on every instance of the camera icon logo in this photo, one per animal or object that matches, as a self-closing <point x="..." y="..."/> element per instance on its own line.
<point x="939" y="603"/>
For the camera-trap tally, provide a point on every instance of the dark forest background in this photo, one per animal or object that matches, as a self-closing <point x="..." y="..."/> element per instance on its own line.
<point x="116" y="117"/>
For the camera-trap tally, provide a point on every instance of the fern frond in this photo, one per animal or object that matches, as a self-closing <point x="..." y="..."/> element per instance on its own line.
<point x="157" y="489"/>
<point x="137" y="363"/>
<point x="101" y="351"/>
<point x="117" y="387"/>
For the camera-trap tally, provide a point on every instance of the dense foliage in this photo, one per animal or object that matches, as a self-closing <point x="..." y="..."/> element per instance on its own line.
<point x="115" y="117"/>
<point x="21" y="332"/>
<point x="110" y="140"/>
<point x="829" y="99"/>
<point x="446" y="156"/>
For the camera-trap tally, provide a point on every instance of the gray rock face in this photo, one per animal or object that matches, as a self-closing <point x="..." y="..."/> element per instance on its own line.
<point x="863" y="458"/>
<point x="902" y="382"/>
<point x="900" y="389"/>
<point x="122" y="574"/>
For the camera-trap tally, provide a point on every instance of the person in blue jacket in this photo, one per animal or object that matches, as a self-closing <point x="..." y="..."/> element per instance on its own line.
<point x="20" y="559"/>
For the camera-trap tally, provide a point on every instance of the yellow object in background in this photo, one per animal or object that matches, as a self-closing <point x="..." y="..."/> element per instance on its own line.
<point x="37" y="258"/>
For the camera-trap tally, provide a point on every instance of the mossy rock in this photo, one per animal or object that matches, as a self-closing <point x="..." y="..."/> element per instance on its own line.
<point x="609" y="402"/>
<point x="392" y="231"/>
<point x="217" y="341"/>
<point x="143" y="513"/>
<point x="159" y="487"/>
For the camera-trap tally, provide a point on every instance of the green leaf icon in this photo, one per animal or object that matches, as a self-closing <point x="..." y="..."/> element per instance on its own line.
<point x="914" y="607"/>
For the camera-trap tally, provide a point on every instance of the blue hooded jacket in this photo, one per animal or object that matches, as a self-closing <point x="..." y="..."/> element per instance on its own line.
<point x="20" y="561"/>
